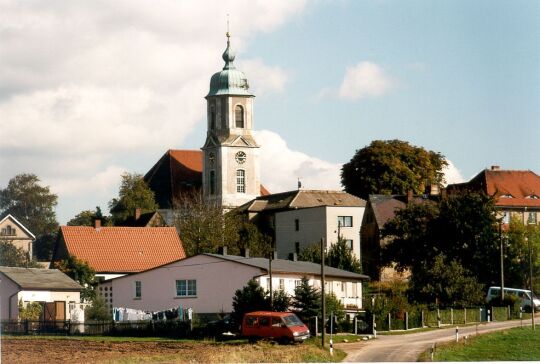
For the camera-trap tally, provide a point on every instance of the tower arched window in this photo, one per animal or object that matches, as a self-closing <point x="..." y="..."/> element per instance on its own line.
<point x="239" y="116"/>
<point x="212" y="117"/>
<point x="212" y="182"/>
<point x="240" y="181"/>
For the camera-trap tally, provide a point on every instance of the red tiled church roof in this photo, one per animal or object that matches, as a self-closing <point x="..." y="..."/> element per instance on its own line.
<point x="176" y="173"/>
<point x="123" y="249"/>
<point x="513" y="188"/>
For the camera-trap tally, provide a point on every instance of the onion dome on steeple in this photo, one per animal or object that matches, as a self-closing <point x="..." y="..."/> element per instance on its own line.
<point x="229" y="81"/>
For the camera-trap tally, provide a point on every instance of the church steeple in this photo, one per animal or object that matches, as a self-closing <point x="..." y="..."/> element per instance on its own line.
<point x="231" y="162"/>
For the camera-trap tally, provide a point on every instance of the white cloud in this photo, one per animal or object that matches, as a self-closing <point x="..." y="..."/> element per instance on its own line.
<point x="281" y="167"/>
<point x="452" y="174"/>
<point x="365" y="79"/>
<point x="86" y="87"/>
<point x="263" y="78"/>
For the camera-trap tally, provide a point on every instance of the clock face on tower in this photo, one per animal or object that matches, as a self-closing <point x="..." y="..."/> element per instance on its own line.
<point x="240" y="157"/>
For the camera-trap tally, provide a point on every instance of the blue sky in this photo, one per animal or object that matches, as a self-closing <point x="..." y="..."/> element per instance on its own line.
<point x="88" y="90"/>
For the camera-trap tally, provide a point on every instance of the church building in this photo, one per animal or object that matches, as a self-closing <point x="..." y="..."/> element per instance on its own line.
<point x="227" y="170"/>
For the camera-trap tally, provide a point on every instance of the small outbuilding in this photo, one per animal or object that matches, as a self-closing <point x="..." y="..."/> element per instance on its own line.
<point x="54" y="290"/>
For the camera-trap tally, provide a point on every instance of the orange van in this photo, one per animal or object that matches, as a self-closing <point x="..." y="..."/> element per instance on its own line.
<point x="282" y="326"/>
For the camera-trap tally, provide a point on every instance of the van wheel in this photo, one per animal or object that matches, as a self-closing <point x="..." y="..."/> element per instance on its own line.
<point x="252" y="339"/>
<point x="284" y="340"/>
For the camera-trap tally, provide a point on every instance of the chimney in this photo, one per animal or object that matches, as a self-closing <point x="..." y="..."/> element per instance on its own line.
<point x="97" y="223"/>
<point x="137" y="213"/>
<point x="222" y="250"/>
<point x="495" y="168"/>
<point x="409" y="196"/>
<point x="244" y="252"/>
<point x="293" y="257"/>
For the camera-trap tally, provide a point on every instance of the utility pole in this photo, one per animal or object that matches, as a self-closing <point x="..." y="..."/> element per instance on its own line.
<point x="322" y="292"/>
<point x="270" y="284"/>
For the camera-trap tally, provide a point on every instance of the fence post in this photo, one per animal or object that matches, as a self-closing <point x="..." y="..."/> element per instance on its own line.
<point x="438" y="318"/>
<point x="374" y="324"/>
<point x="423" y="321"/>
<point x="406" y="320"/>
<point x="509" y="313"/>
<point x="26" y="326"/>
<point x="465" y="315"/>
<point x="457" y="333"/>
<point x="488" y="315"/>
<point x="316" y="326"/>
<point x="389" y="322"/>
<point x="355" y="325"/>
<point x="479" y="315"/>
<point x="451" y="316"/>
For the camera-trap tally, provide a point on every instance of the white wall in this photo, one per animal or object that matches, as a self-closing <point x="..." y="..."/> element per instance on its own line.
<point x="217" y="281"/>
<point x="314" y="224"/>
<point x="7" y="291"/>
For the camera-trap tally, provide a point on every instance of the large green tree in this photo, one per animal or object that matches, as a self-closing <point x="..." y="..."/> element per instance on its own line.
<point x="392" y="167"/>
<point x="516" y="254"/>
<point x="248" y="299"/>
<point x="31" y="203"/>
<point x="134" y="193"/>
<point x="338" y="256"/>
<point x="462" y="228"/>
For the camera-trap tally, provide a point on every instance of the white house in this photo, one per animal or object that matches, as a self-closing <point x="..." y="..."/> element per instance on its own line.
<point x="207" y="283"/>
<point x="297" y="219"/>
<point x="54" y="290"/>
<point x="15" y="232"/>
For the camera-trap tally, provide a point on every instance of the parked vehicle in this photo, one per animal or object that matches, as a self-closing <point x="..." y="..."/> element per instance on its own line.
<point x="281" y="326"/>
<point x="524" y="296"/>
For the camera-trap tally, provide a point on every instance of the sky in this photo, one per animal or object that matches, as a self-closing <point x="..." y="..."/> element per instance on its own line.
<point x="89" y="90"/>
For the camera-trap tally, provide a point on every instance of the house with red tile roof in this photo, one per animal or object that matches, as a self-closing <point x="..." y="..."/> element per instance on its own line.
<point x="117" y="251"/>
<point x="516" y="192"/>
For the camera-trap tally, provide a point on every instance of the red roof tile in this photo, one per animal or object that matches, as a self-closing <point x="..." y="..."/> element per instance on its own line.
<point x="509" y="187"/>
<point x="123" y="249"/>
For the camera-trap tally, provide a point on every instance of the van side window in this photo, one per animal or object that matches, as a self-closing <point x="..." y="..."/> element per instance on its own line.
<point x="264" y="321"/>
<point x="276" y="322"/>
<point x="251" y="321"/>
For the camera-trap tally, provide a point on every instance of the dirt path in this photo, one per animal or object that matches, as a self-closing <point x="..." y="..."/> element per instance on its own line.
<point x="408" y="347"/>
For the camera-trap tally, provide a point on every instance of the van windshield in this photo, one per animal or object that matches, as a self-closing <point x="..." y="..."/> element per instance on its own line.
<point x="292" y="320"/>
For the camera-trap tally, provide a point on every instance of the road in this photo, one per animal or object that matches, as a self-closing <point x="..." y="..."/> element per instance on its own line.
<point x="408" y="347"/>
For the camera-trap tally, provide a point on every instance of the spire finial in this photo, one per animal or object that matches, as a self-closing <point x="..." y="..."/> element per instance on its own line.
<point x="228" y="34"/>
<point x="228" y="55"/>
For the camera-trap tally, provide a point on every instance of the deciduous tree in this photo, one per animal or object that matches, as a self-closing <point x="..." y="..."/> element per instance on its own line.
<point x="88" y="218"/>
<point x="81" y="272"/>
<point x="11" y="256"/>
<point x="134" y="193"/>
<point x="391" y="167"/>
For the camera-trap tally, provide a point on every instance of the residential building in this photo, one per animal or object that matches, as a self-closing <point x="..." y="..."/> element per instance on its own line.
<point x="516" y="192"/>
<point x="54" y="290"/>
<point x="116" y="251"/>
<point x="13" y="231"/>
<point x="207" y="283"/>
<point x="379" y="210"/>
<point x="297" y="219"/>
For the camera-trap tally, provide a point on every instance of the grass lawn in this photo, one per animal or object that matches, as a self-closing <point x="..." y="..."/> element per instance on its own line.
<point x="508" y="345"/>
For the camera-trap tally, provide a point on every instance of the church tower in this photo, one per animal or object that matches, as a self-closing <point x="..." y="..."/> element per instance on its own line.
<point x="231" y="174"/>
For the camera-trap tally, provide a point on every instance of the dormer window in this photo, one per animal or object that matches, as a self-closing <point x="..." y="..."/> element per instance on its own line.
<point x="239" y="116"/>
<point x="507" y="196"/>
<point x="534" y="197"/>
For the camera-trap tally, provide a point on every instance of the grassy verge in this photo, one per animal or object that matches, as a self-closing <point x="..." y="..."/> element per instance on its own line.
<point x="508" y="345"/>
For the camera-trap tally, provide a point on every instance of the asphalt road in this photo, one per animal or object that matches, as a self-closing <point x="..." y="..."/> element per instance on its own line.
<point x="408" y="347"/>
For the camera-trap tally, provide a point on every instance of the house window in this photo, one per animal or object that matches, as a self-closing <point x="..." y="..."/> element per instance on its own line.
<point x="212" y="182"/>
<point x="532" y="218"/>
<point x="297" y="282"/>
<point x="296" y="225"/>
<point x="349" y="244"/>
<point x="138" y="289"/>
<point x="297" y="247"/>
<point x="345" y="221"/>
<point x="239" y="116"/>
<point x="241" y="181"/>
<point x="506" y="217"/>
<point x="186" y="288"/>
<point x="282" y="284"/>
